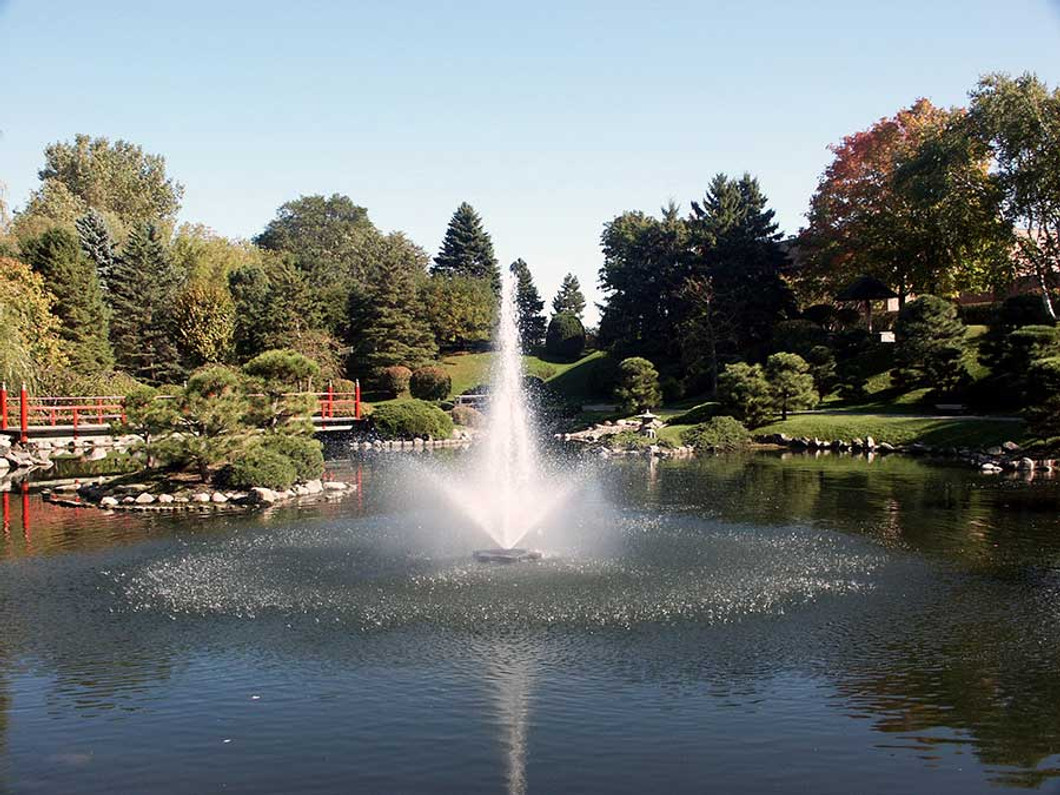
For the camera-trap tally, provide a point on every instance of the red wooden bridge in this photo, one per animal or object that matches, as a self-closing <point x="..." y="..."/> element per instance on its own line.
<point x="49" y="416"/>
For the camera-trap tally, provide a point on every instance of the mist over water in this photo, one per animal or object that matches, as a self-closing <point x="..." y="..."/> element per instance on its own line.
<point x="507" y="489"/>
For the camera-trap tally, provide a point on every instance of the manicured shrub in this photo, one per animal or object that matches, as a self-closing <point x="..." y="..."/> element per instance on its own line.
<point x="407" y="419"/>
<point x="1023" y="346"/>
<point x="394" y="380"/>
<point x="430" y="383"/>
<point x="259" y="466"/>
<point x="790" y="383"/>
<point x="745" y="394"/>
<point x="565" y="337"/>
<point x="719" y="433"/>
<point x="638" y="385"/>
<point x="467" y="416"/>
<point x="304" y="452"/>
<point x="823" y="369"/>
<point x="283" y="368"/>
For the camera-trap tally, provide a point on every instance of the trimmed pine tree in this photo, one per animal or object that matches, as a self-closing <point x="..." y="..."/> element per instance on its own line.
<point x="386" y="328"/>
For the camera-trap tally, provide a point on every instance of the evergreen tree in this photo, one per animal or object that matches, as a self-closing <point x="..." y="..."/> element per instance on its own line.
<point x="270" y="301"/>
<point x="459" y="310"/>
<point x="569" y="298"/>
<point x="385" y="329"/>
<point x="638" y="385"/>
<point x="565" y="336"/>
<point x="97" y="244"/>
<point x="529" y="304"/>
<point x="930" y="341"/>
<point x="71" y="277"/>
<point x="467" y="249"/>
<point x="790" y="383"/>
<point x="143" y="289"/>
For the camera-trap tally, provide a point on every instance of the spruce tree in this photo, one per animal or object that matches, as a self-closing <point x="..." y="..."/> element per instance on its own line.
<point x="529" y="305"/>
<point x="97" y="244"/>
<point x="71" y="277"/>
<point x="385" y="328"/>
<point x="467" y="249"/>
<point x="143" y="289"/>
<point x="569" y="298"/>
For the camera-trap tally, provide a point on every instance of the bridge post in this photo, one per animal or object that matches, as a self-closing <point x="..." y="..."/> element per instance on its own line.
<point x="99" y="410"/>
<point x="76" y="418"/>
<point x="3" y="407"/>
<point x="357" y="398"/>
<point x="23" y="414"/>
<point x="331" y="401"/>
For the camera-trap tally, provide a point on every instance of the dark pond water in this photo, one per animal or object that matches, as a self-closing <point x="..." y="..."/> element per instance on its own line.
<point x="740" y="624"/>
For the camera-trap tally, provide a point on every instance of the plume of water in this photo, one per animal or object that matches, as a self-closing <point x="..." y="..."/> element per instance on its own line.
<point x="506" y="491"/>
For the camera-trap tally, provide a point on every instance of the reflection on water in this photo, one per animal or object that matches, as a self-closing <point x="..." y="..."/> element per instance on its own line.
<point x="755" y="622"/>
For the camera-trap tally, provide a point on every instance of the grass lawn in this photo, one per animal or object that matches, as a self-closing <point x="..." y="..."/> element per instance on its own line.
<point x="570" y="378"/>
<point x="896" y="429"/>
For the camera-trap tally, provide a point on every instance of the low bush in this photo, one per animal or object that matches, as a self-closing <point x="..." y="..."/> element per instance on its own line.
<point x="720" y="433"/>
<point x="259" y="466"/>
<point x="430" y="383"/>
<point x="978" y="314"/>
<point x="394" y="380"/>
<point x="304" y="452"/>
<point x="407" y="419"/>
<point x="467" y="416"/>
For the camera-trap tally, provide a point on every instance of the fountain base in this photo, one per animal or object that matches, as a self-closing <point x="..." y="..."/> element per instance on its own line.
<point x="506" y="555"/>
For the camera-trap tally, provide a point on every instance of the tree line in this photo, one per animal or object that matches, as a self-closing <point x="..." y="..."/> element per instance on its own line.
<point x="101" y="288"/>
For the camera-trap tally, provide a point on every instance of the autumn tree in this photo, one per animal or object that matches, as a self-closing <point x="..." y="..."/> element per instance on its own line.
<point x="1019" y="120"/>
<point x="29" y="331"/>
<point x="909" y="202"/>
<point x="204" y="321"/>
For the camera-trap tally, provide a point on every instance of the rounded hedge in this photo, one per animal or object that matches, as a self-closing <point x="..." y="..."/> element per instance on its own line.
<point x="565" y="337"/>
<point x="407" y="419"/>
<point x="304" y="452"/>
<point x="260" y="466"/>
<point x="720" y="433"/>
<point x="395" y="380"/>
<point x="430" y="383"/>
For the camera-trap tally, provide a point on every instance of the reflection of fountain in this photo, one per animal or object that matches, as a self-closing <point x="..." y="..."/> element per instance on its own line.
<point x="506" y="492"/>
<point x="510" y="670"/>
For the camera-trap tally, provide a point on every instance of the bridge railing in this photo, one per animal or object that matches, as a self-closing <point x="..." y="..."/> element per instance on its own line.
<point x="78" y="411"/>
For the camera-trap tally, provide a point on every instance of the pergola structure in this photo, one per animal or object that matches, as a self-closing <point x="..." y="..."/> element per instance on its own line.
<point x="864" y="290"/>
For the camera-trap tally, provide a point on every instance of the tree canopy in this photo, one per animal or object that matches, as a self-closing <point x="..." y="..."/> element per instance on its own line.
<point x="467" y="249"/>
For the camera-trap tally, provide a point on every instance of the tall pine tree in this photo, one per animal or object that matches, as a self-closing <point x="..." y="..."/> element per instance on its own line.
<point x="569" y="298"/>
<point x="529" y="304"/>
<point x="385" y="327"/>
<point x="467" y="249"/>
<point x="97" y="244"/>
<point x="142" y="295"/>
<point x="71" y="277"/>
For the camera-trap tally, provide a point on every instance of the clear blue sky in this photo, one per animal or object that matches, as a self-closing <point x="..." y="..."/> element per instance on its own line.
<point x="549" y="117"/>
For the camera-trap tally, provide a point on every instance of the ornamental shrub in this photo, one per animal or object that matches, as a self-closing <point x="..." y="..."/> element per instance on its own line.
<point x="638" y="385"/>
<point x="790" y="383"/>
<point x="430" y="383"/>
<point x="407" y="419"/>
<point x="259" y="466"/>
<point x="394" y="380"/>
<point x="719" y="433"/>
<point x="745" y="394"/>
<point x="565" y="337"/>
<point x="304" y="452"/>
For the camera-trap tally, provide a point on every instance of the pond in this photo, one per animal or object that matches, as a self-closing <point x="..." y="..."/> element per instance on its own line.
<point x="737" y="624"/>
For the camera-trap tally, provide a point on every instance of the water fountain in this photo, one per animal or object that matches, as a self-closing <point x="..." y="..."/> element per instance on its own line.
<point x="507" y="490"/>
